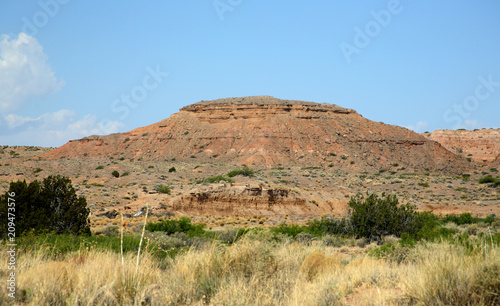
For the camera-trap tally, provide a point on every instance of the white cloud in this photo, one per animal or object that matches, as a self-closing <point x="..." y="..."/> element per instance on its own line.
<point x="470" y="124"/>
<point x="53" y="129"/>
<point x="419" y="127"/>
<point x="24" y="72"/>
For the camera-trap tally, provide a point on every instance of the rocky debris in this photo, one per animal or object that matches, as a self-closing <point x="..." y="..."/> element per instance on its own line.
<point x="110" y="214"/>
<point x="265" y="131"/>
<point x="481" y="146"/>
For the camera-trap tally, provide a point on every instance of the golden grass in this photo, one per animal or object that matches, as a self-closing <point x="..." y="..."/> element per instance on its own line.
<point x="259" y="271"/>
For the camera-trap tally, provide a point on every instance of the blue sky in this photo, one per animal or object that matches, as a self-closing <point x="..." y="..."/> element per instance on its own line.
<point x="69" y="68"/>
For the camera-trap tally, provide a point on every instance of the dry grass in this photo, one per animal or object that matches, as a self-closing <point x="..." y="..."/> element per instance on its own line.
<point x="258" y="271"/>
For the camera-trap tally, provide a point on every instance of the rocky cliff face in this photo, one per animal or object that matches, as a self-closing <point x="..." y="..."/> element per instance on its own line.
<point x="481" y="146"/>
<point x="266" y="131"/>
<point x="230" y="199"/>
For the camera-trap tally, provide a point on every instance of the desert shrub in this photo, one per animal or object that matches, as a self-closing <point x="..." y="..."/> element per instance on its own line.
<point x="465" y="218"/>
<point x="217" y="178"/>
<point x="115" y="173"/>
<point x="373" y="217"/>
<point x="172" y="169"/>
<point x="330" y="226"/>
<point x="490" y="179"/>
<point x="44" y="207"/>
<point x="423" y="184"/>
<point x="38" y="170"/>
<point x="163" y="189"/>
<point x="245" y="171"/>
<point x="182" y="225"/>
<point x="99" y="167"/>
<point x="291" y="230"/>
<point x="487" y="179"/>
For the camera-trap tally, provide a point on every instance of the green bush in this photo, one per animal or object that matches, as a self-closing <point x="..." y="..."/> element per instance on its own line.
<point x="330" y="226"/>
<point x="183" y="225"/>
<point x="115" y="173"/>
<point x="44" y="207"/>
<point x="465" y="218"/>
<point x="490" y="179"/>
<point x="162" y="189"/>
<point x="291" y="230"/>
<point x="172" y="169"/>
<point x="217" y="178"/>
<point x="99" y="167"/>
<point x="245" y="171"/>
<point x="374" y="217"/>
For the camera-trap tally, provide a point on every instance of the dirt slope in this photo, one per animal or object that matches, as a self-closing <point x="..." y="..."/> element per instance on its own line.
<point x="266" y="131"/>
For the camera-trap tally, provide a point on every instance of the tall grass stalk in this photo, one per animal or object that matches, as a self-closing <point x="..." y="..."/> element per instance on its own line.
<point x="122" y="225"/>
<point x="140" y="245"/>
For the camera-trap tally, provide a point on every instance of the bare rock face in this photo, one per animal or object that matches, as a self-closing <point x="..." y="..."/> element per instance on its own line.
<point x="245" y="199"/>
<point x="266" y="131"/>
<point x="481" y="146"/>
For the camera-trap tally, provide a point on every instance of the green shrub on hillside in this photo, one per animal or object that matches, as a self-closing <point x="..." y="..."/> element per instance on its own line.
<point x="490" y="179"/>
<point x="245" y="171"/>
<point x="216" y="179"/>
<point x="163" y="189"/>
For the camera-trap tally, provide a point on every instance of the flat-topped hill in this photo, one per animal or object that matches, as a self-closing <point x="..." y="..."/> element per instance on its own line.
<point x="266" y="131"/>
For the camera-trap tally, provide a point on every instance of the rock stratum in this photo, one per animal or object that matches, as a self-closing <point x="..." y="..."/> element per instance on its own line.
<point x="231" y="199"/>
<point x="267" y="131"/>
<point x="482" y="146"/>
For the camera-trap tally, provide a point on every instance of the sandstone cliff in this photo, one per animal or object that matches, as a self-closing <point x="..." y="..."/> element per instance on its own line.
<point x="481" y="146"/>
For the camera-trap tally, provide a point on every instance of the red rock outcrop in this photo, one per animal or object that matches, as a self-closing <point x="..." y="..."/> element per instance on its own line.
<point x="266" y="131"/>
<point x="481" y="146"/>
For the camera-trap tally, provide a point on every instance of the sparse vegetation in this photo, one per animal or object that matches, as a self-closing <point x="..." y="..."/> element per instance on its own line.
<point x="172" y="170"/>
<point x="115" y="173"/>
<point x="99" y="167"/>
<point x="257" y="267"/>
<point x="163" y="189"/>
<point x="245" y="171"/>
<point x="216" y="179"/>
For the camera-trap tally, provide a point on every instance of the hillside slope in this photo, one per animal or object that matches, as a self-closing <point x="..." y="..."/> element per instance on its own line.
<point x="266" y="131"/>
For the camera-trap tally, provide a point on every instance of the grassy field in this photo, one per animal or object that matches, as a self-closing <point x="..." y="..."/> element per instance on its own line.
<point x="189" y="265"/>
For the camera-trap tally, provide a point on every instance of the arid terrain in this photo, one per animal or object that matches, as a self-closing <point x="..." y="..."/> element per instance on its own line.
<point x="258" y="179"/>
<point x="308" y="160"/>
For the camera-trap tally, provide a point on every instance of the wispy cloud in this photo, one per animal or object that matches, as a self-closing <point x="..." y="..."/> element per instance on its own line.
<point x="24" y="73"/>
<point x="52" y="129"/>
<point x="419" y="127"/>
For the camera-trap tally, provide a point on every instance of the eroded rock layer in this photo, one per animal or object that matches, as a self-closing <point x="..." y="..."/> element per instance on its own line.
<point x="481" y="146"/>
